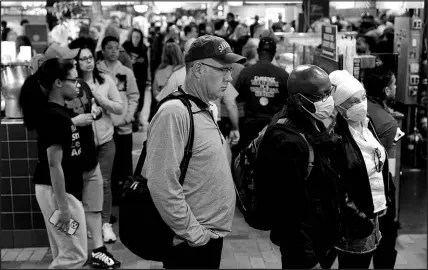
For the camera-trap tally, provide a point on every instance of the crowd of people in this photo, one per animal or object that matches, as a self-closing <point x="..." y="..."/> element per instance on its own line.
<point x="85" y="102"/>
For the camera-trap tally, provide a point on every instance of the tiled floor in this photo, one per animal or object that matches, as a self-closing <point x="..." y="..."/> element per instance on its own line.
<point x="244" y="248"/>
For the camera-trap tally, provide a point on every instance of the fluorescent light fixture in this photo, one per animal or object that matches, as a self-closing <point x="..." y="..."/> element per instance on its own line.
<point x="235" y="3"/>
<point x="141" y="8"/>
<point x="277" y="2"/>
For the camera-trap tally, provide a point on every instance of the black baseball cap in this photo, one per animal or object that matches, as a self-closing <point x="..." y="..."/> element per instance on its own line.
<point x="212" y="47"/>
<point x="267" y="44"/>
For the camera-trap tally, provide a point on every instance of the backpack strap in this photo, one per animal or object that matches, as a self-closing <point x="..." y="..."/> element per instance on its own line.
<point x="189" y="146"/>
<point x="311" y="158"/>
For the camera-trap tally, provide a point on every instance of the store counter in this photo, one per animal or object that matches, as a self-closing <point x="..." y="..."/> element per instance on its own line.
<point x="22" y="223"/>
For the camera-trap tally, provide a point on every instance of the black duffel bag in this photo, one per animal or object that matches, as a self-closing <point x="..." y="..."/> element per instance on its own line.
<point x="141" y="228"/>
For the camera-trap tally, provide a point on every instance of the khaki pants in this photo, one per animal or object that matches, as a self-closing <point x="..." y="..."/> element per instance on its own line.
<point x="68" y="251"/>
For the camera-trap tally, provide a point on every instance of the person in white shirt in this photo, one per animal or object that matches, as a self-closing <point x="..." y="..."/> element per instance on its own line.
<point x="365" y="184"/>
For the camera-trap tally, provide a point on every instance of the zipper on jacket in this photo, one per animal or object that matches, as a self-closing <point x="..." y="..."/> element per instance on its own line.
<point x="215" y="123"/>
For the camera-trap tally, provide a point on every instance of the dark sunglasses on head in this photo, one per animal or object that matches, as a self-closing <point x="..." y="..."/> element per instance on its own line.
<point x="377" y="157"/>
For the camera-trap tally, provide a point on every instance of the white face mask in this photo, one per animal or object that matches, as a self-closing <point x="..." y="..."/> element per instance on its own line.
<point x="358" y="112"/>
<point x="323" y="109"/>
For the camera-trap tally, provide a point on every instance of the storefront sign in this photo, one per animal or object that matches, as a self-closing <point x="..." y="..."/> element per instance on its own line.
<point x="329" y="42"/>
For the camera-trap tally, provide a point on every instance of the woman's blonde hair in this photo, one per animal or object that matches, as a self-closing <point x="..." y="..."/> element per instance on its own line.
<point x="171" y="55"/>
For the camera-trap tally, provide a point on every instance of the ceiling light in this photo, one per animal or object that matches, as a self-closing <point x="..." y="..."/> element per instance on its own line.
<point x="141" y="8"/>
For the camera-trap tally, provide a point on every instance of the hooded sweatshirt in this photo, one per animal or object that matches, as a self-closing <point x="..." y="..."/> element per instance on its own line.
<point x="110" y="100"/>
<point x="126" y="84"/>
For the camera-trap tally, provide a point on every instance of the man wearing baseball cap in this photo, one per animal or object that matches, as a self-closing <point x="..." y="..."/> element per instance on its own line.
<point x="262" y="88"/>
<point x="201" y="211"/>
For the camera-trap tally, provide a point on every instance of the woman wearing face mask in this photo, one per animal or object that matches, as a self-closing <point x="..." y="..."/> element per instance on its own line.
<point x="364" y="175"/>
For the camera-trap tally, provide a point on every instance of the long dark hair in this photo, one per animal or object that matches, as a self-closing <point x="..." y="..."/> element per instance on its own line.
<point x="96" y="72"/>
<point x="33" y="98"/>
<point x="141" y="43"/>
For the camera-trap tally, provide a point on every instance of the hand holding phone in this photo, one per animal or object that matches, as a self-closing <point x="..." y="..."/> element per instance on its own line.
<point x="62" y="220"/>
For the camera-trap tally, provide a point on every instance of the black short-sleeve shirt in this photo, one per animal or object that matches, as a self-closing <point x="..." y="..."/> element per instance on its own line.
<point x="56" y="128"/>
<point x="263" y="88"/>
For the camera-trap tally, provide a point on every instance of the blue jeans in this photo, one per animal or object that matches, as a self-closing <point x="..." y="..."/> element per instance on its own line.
<point x="105" y="155"/>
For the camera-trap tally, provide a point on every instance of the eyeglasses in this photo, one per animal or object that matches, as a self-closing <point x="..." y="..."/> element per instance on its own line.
<point x="74" y="80"/>
<point x="87" y="59"/>
<point x="377" y="157"/>
<point x="224" y="70"/>
<point x="322" y="97"/>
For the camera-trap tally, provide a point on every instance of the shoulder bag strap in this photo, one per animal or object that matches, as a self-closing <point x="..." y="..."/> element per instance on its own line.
<point x="187" y="150"/>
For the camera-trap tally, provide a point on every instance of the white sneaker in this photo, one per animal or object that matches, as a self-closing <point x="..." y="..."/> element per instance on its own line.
<point x="108" y="234"/>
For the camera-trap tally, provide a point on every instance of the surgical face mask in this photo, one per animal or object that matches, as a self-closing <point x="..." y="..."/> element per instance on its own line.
<point x="358" y="112"/>
<point x="324" y="108"/>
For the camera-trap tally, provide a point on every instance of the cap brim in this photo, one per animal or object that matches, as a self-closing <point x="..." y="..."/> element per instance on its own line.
<point x="71" y="54"/>
<point x="231" y="58"/>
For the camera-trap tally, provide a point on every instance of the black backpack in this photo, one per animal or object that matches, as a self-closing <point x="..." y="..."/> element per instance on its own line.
<point x="246" y="182"/>
<point x="141" y="228"/>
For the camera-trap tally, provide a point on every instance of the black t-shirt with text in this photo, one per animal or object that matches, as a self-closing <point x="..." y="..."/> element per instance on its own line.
<point x="82" y="105"/>
<point x="263" y="88"/>
<point x="56" y="128"/>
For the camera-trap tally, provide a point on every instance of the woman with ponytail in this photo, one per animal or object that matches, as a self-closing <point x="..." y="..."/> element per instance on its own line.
<point x="58" y="175"/>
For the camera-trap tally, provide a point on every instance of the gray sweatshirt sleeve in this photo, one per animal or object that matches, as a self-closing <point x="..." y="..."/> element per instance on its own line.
<point x="167" y="137"/>
<point x="133" y="95"/>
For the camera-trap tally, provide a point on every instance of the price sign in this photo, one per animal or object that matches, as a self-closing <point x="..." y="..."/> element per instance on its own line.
<point x="329" y="42"/>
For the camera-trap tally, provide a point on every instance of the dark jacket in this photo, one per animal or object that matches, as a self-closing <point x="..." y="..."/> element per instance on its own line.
<point x="140" y="69"/>
<point x="304" y="214"/>
<point x="383" y="122"/>
<point x="356" y="202"/>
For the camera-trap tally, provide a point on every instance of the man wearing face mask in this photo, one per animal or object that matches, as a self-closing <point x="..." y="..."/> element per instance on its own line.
<point x="306" y="226"/>
<point x="365" y="184"/>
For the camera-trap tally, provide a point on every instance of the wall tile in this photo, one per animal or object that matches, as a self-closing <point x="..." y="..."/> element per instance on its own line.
<point x="3" y="132"/>
<point x="38" y="221"/>
<point x="21" y="204"/>
<point x="40" y="238"/>
<point x="19" y="167"/>
<point x="18" y="150"/>
<point x="31" y="135"/>
<point x="20" y="185"/>
<point x="34" y="204"/>
<point x="5" y="187"/>
<point x="4" y="150"/>
<point x="22" y="239"/>
<point x="6" y="238"/>
<point x="6" y="204"/>
<point x="5" y="168"/>
<point x="33" y="164"/>
<point x="32" y="186"/>
<point x="32" y="150"/>
<point x="6" y="222"/>
<point x="22" y="221"/>
<point x="17" y="132"/>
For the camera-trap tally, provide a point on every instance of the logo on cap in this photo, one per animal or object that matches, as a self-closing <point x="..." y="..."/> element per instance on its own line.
<point x="223" y="45"/>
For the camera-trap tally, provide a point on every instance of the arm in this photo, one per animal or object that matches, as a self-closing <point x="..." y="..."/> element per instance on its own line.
<point x="112" y="102"/>
<point x="387" y="134"/>
<point x="54" y="154"/>
<point x="156" y="89"/>
<point x="167" y="138"/>
<point x="133" y="96"/>
<point x="230" y="103"/>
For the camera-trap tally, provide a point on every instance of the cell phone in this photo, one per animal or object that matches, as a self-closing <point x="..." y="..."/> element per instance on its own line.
<point x="72" y="227"/>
